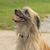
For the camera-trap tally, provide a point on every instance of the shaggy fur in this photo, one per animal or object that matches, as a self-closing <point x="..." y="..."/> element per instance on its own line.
<point x="27" y="27"/>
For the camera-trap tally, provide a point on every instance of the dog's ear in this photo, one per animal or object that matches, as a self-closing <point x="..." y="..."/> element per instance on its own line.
<point x="27" y="13"/>
<point x="37" y="21"/>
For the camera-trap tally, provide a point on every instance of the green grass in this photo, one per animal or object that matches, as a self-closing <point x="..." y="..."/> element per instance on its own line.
<point x="7" y="10"/>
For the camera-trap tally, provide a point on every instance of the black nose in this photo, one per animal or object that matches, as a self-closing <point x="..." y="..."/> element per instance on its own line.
<point x="15" y="11"/>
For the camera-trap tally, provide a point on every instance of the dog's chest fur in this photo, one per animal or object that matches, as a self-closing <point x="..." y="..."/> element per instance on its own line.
<point x="26" y="40"/>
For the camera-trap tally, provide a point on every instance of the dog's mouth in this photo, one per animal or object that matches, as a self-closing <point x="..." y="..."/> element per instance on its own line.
<point x="20" y="17"/>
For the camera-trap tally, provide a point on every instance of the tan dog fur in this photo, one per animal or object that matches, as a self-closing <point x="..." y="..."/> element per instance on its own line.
<point x="28" y="35"/>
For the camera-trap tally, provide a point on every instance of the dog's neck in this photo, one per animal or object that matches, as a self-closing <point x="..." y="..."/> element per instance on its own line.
<point x="24" y="31"/>
<point x="22" y="28"/>
<point x="25" y="37"/>
<point x="22" y="36"/>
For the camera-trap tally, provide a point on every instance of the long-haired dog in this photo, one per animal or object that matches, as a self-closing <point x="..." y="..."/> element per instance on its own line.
<point x="27" y="27"/>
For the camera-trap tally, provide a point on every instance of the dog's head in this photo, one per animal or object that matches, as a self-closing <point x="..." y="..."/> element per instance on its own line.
<point x="27" y="22"/>
<point x="27" y="17"/>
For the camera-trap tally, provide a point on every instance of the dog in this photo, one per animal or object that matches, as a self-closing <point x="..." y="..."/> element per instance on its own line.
<point x="27" y="30"/>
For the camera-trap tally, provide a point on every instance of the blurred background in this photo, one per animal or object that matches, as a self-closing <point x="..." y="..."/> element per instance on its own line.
<point x="7" y="7"/>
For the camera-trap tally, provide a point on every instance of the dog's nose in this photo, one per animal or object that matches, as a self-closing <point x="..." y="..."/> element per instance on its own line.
<point x="16" y="11"/>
